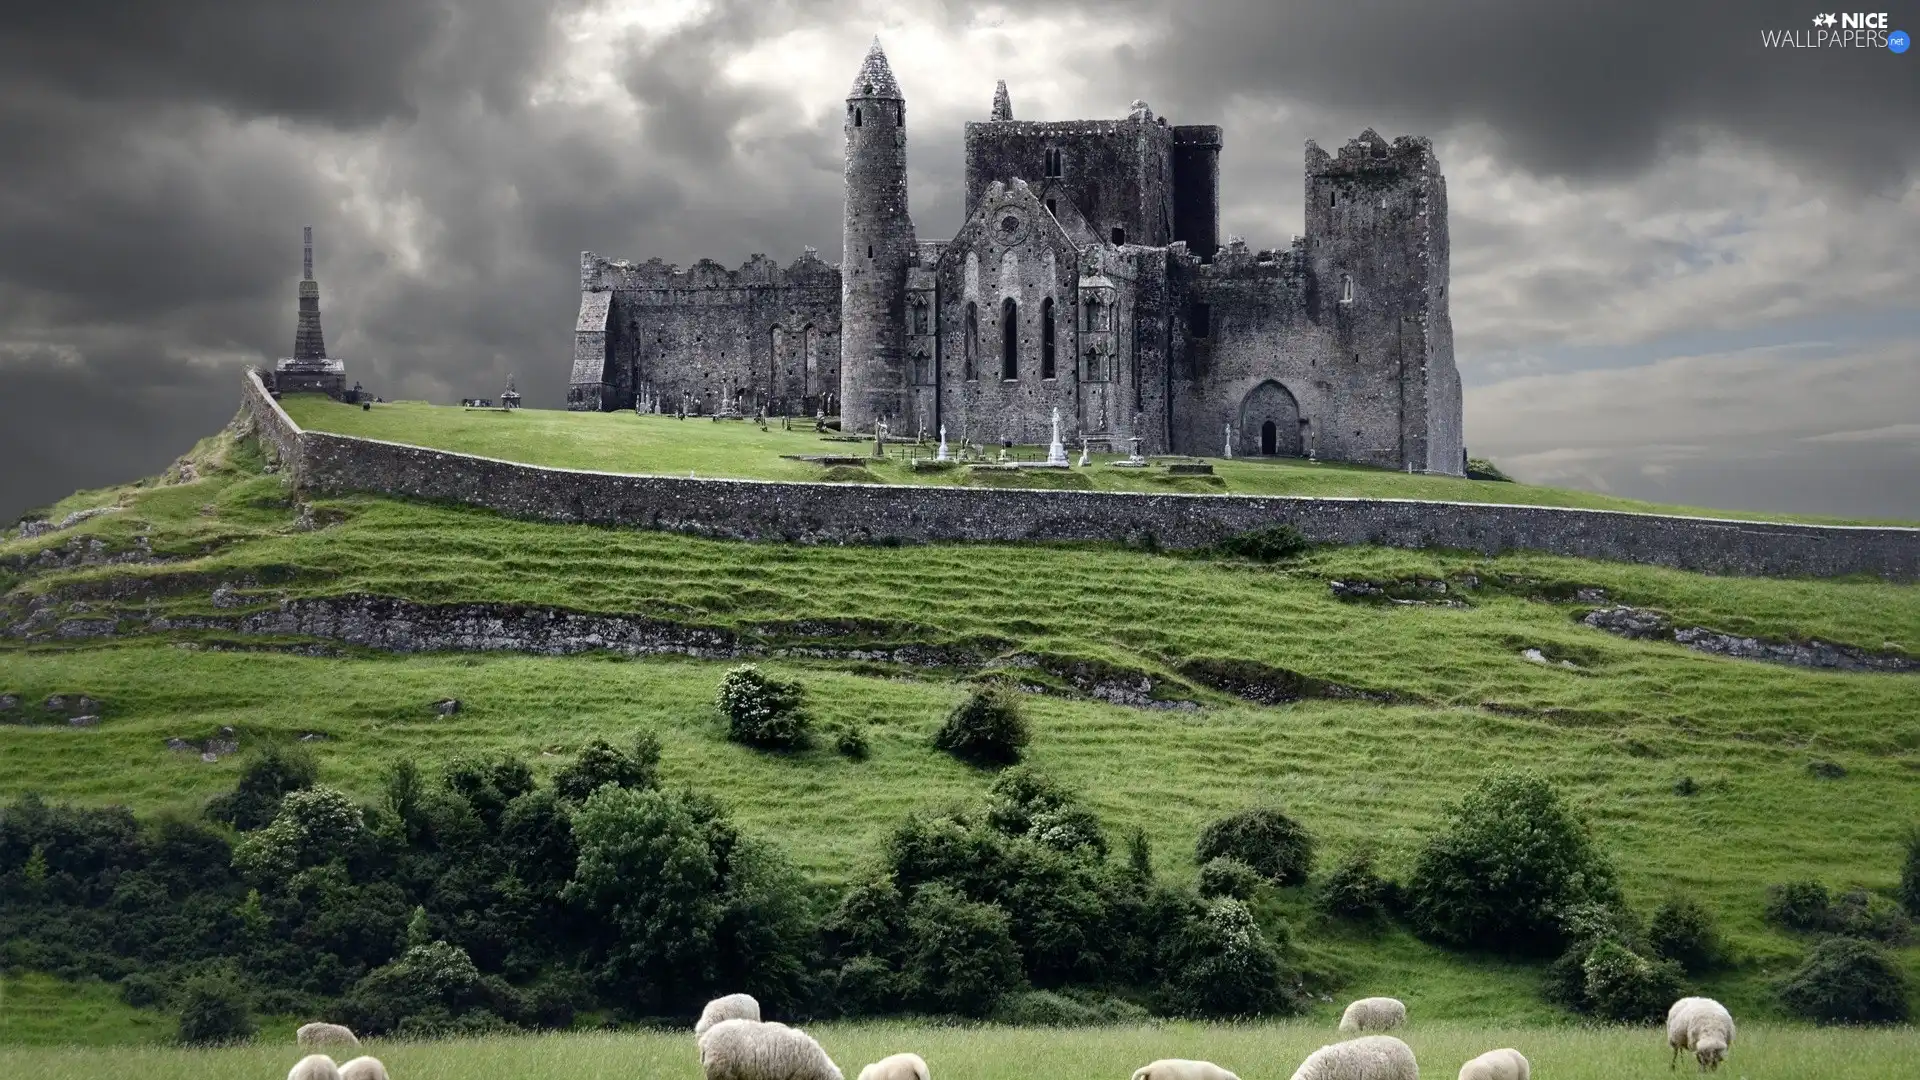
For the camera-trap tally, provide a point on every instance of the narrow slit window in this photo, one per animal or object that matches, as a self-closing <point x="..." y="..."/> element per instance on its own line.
<point x="856" y="118"/>
<point x="1009" y="339"/>
<point x="1200" y="319"/>
<point x="971" y="346"/>
<point x="1346" y="288"/>
<point x="1046" y="338"/>
<point x="1119" y="235"/>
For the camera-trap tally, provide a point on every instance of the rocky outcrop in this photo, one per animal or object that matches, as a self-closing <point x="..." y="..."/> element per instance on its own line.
<point x="1645" y="624"/>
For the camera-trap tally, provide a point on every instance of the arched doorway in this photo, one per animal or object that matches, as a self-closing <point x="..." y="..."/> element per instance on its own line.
<point x="1271" y="410"/>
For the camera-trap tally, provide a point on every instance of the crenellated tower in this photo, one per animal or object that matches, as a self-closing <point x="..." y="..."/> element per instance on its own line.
<point x="879" y="247"/>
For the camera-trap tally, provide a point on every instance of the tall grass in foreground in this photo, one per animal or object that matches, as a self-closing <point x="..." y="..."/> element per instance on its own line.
<point x="1255" y="1052"/>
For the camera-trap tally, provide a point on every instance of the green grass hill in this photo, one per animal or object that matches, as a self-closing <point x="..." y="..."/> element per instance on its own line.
<point x="1711" y="775"/>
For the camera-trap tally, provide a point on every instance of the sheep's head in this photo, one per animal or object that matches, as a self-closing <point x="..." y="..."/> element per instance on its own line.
<point x="1709" y="1052"/>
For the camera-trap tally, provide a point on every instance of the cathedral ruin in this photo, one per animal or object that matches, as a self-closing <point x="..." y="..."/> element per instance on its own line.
<point x="1088" y="277"/>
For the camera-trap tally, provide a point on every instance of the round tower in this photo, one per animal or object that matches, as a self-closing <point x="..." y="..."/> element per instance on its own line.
<point x="879" y="248"/>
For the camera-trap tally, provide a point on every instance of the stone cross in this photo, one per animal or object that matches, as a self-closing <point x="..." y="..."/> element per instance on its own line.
<point x="1229" y="440"/>
<point x="1056" y="453"/>
<point x="941" y="454"/>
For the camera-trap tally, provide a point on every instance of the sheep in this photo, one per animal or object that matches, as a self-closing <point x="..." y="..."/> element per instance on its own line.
<point x="1374" y="1014"/>
<point x="1369" y="1057"/>
<point x="762" y="1050"/>
<point x="318" y="1035"/>
<point x="731" y="1007"/>
<point x="1701" y="1025"/>
<point x="897" y="1067"/>
<point x="1178" y="1069"/>
<point x="368" y="1068"/>
<point x="1506" y="1064"/>
<point x="314" y="1067"/>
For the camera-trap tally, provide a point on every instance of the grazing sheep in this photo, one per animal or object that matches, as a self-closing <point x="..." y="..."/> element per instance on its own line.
<point x="368" y="1068"/>
<point x="1374" y="1014"/>
<point x="761" y="1050"/>
<point x="318" y="1035"/>
<point x="1507" y="1064"/>
<point x="897" y="1067"/>
<point x="1701" y="1025"/>
<point x="314" y="1067"/>
<point x="1179" y="1069"/>
<point x="731" y="1007"/>
<point x="1369" y="1057"/>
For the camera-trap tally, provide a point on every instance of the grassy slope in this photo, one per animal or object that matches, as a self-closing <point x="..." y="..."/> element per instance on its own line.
<point x="1636" y="717"/>
<point x="1257" y="1052"/>
<point x="662" y="445"/>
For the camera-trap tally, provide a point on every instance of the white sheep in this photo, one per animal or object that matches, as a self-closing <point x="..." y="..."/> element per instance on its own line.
<point x="1504" y="1064"/>
<point x="762" y="1050"/>
<point x="1369" y="1057"/>
<point x="363" y="1068"/>
<point x="314" y="1067"/>
<point x="1374" y="1014"/>
<point x="1179" y="1069"/>
<point x="1701" y="1025"/>
<point x="897" y="1067"/>
<point x="731" y="1007"/>
<point x="318" y="1035"/>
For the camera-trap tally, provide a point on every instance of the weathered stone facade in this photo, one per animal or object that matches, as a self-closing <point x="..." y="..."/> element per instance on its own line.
<point x="1088" y="277"/>
<point x="828" y="513"/>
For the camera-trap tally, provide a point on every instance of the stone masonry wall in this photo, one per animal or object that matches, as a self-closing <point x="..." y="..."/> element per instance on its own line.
<point x="859" y="513"/>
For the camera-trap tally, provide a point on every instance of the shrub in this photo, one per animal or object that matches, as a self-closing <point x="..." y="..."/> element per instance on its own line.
<point x="1139" y="855"/>
<point x="988" y="728"/>
<point x="267" y="777"/>
<point x="1271" y="544"/>
<point x="599" y="762"/>
<point x="1682" y="930"/>
<point x="1229" y="877"/>
<point x="1275" y="845"/>
<point x="1847" y="981"/>
<point x="1353" y="890"/>
<point x="1223" y="967"/>
<point x="1910" y="873"/>
<point x="213" y="1010"/>
<point x="1621" y="986"/>
<point x="1512" y="861"/>
<point x="1859" y="913"/>
<point x="1483" y="469"/>
<point x="315" y="826"/>
<point x="1049" y="1008"/>
<point x="143" y="991"/>
<point x="851" y="742"/>
<point x="426" y="989"/>
<point x="763" y="712"/>
<point x="1800" y="905"/>
<point x="963" y="957"/>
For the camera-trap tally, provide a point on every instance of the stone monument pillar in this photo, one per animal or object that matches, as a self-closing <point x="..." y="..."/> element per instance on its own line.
<point x="1056" y="453"/>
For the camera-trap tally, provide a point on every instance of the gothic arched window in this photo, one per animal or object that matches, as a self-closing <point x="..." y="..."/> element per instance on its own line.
<point x="970" y="348"/>
<point x="1046" y="338"/>
<point x="1009" y="339"/>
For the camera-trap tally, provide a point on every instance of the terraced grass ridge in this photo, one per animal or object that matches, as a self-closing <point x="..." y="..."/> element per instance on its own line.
<point x="1169" y="689"/>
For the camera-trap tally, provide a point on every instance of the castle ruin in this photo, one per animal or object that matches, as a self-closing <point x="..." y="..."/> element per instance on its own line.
<point x="1088" y="277"/>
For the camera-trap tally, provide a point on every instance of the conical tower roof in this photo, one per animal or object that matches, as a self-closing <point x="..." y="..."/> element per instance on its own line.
<point x="876" y="76"/>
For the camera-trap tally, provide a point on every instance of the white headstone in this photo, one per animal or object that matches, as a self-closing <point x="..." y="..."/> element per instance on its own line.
<point x="1056" y="453"/>
<point x="1085" y="458"/>
<point x="941" y="454"/>
<point x="1229" y="440"/>
<point x="1134" y="455"/>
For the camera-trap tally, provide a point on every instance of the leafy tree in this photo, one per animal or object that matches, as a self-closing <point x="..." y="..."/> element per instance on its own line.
<point x="988" y="728"/>
<point x="431" y="985"/>
<point x="1273" y="844"/>
<point x="1354" y="890"/>
<point x="213" y="1010"/>
<point x="600" y="763"/>
<point x="1222" y="965"/>
<point x="266" y="778"/>
<point x="763" y="712"/>
<point x="1847" y="981"/>
<point x="1229" y="877"/>
<point x="314" y="826"/>
<point x="1512" y="863"/>
<point x="1683" y="930"/>
<point x="962" y="953"/>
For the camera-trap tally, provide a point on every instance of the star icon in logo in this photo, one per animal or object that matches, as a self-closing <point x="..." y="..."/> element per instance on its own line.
<point x="1824" y="20"/>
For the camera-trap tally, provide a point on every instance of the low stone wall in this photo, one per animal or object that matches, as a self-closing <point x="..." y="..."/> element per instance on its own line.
<point x="275" y="425"/>
<point x="865" y="513"/>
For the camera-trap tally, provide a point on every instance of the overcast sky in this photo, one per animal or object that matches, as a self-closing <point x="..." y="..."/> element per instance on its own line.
<point x="1685" y="267"/>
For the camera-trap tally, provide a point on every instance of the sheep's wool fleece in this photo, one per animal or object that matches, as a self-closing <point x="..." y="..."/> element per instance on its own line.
<point x="731" y="1007"/>
<point x="757" y="1050"/>
<point x="1691" y="1019"/>
<point x="314" y="1067"/>
<point x="363" y="1068"/>
<point x="897" y="1067"/>
<point x="325" y="1035"/>
<point x="1182" y="1069"/>
<point x="1370" y="1057"/>
<point x="1374" y="1014"/>
<point x="1503" y="1064"/>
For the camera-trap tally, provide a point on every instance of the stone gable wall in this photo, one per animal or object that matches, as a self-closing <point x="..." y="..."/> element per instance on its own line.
<point x="865" y="513"/>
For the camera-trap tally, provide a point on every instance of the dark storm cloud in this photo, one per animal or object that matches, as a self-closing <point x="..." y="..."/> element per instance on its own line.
<point x="1580" y="87"/>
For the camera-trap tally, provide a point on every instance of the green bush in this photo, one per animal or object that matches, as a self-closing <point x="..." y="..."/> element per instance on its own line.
<point x="1910" y="873"/>
<point x="988" y="728"/>
<point x="1271" y="544"/>
<point x="763" y="712"/>
<point x="1621" y="986"/>
<point x="1847" y="981"/>
<point x="1354" y="890"/>
<point x="1511" y="863"/>
<point x="427" y="989"/>
<point x="1800" y="905"/>
<point x="315" y="826"/>
<point x="962" y="955"/>
<point x="1229" y="877"/>
<point x="1683" y="930"/>
<point x="850" y="741"/>
<point x="267" y="777"/>
<point x="1222" y="966"/>
<point x="143" y="991"/>
<point x="1275" y="845"/>
<point x="213" y="1010"/>
<point x="1483" y="469"/>
<point x="599" y="762"/>
<point x="1859" y="913"/>
<point x="1050" y="1008"/>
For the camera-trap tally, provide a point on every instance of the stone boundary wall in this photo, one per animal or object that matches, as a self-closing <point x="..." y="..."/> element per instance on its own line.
<point x="867" y="513"/>
<point x="275" y="425"/>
